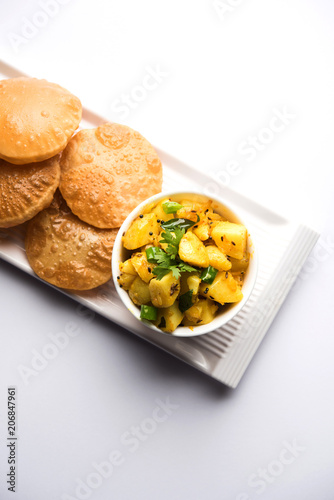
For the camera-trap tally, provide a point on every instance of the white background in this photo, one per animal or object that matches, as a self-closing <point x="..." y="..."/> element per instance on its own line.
<point x="223" y="72"/>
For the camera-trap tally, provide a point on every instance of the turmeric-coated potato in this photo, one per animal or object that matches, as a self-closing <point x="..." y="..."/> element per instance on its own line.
<point x="141" y="232"/>
<point x="192" y="250"/>
<point x="164" y="292"/>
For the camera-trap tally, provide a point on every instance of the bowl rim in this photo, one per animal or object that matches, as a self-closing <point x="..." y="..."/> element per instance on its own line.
<point x="218" y="321"/>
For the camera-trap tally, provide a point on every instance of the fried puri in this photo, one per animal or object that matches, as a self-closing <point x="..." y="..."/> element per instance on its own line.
<point x="37" y="119"/>
<point x="25" y="190"/>
<point x="67" y="252"/>
<point x="106" y="172"/>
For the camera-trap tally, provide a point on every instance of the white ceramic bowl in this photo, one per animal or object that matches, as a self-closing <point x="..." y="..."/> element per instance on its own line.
<point x="120" y="254"/>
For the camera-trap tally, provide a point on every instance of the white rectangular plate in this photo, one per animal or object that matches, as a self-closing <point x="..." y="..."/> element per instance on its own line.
<point x="224" y="354"/>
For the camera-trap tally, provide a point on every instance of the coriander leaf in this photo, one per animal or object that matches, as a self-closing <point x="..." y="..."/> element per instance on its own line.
<point x="185" y="267"/>
<point x="152" y="254"/>
<point x="172" y="239"/>
<point x="164" y="260"/>
<point x="176" y="271"/>
<point x="168" y="260"/>
<point x="160" y="272"/>
<point x="178" y="235"/>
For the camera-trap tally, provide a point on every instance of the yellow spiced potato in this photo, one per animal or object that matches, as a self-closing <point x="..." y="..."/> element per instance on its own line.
<point x="193" y="283"/>
<point x="240" y="265"/>
<point x="218" y="259"/>
<point x="127" y="267"/>
<point x="194" y="205"/>
<point x="230" y="238"/>
<point x="139" y="291"/>
<point x="142" y="267"/>
<point x="159" y="211"/>
<point x="185" y="263"/>
<point x="224" y="289"/>
<point x="192" y="250"/>
<point x="125" y="280"/>
<point x="141" y="232"/>
<point x="164" y="292"/>
<point x="169" y="318"/>
<point x="190" y="282"/>
<point x="202" y="312"/>
<point x="187" y="213"/>
<point x="202" y="230"/>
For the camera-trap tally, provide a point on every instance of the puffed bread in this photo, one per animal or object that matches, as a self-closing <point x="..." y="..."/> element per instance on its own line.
<point x="37" y="119"/>
<point x="25" y="190"/>
<point x="106" y="172"/>
<point x="67" y="252"/>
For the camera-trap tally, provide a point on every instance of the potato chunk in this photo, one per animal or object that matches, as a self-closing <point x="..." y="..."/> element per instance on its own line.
<point x="142" y="231"/>
<point x="230" y="238"/>
<point x="139" y="292"/>
<point x="142" y="266"/>
<point x="127" y="267"/>
<point x="193" y="283"/>
<point x="240" y="265"/>
<point x="189" y="281"/>
<point x="126" y="280"/>
<point x="218" y="259"/>
<point x="194" y="313"/>
<point x="224" y="289"/>
<point x="202" y="230"/>
<point x="183" y="283"/>
<point x="187" y="213"/>
<point x="192" y="250"/>
<point x="165" y="291"/>
<point x="160" y="213"/>
<point x="213" y="216"/>
<point x="202" y="312"/>
<point x="196" y="205"/>
<point x="169" y="318"/>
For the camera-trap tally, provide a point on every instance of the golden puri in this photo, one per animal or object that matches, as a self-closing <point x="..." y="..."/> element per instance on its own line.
<point x="106" y="172"/>
<point x="25" y="190"/>
<point x="37" y="119"/>
<point x="67" y="252"/>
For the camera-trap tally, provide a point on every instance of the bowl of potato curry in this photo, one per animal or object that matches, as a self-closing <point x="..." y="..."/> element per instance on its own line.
<point x="184" y="263"/>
